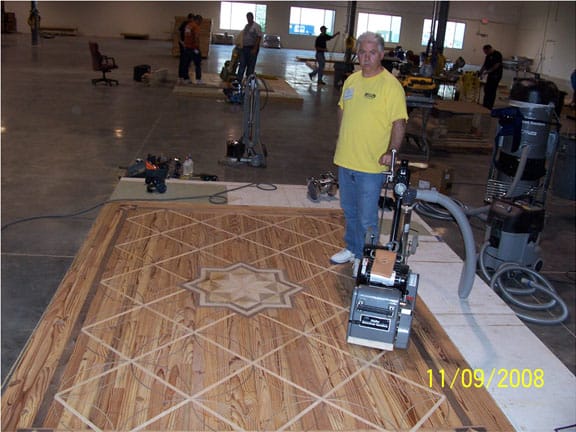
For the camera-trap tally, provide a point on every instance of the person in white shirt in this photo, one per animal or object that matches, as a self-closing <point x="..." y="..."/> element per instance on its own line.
<point x="251" y="37"/>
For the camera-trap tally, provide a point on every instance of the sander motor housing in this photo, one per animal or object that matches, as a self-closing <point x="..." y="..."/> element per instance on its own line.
<point x="383" y="301"/>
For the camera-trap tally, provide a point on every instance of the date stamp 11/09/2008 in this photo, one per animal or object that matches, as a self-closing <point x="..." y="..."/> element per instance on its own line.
<point x="478" y="378"/>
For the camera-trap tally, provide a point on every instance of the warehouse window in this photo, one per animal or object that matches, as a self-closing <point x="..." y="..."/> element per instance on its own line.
<point x="305" y="21"/>
<point x="387" y="26"/>
<point x="454" y="37"/>
<point x="233" y="15"/>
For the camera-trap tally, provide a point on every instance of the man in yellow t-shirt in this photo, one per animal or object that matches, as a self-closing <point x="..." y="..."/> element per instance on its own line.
<point x="372" y="122"/>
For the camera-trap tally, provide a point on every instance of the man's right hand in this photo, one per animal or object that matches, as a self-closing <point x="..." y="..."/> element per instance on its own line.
<point x="385" y="159"/>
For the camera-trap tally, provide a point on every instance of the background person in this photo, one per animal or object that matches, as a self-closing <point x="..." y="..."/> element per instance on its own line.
<point x="196" y="53"/>
<point x="184" y="62"/>
<point x="372" y="122"/>
<point x="493" y="68"/>
<point x="321" y="48"/>
<point x="251" y="37"/>
<point x="573" y="83"/>
<point x="192" y="50"/>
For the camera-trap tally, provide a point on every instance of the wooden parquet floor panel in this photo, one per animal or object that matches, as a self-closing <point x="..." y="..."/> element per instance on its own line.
<point x="180" y="317"/>
<point x="272" y="89"/>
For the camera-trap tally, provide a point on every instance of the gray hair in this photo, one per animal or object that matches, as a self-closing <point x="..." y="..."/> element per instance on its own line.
<point x="371" y="37"/>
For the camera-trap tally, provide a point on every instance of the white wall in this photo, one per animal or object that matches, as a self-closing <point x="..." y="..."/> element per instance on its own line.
<point x="547" y="34"/>
<point x="540" y="30"/>
<point x="111" y="18"/>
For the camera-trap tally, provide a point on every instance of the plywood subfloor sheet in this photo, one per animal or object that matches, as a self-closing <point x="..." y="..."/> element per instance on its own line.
<point x="272" y="89"/>
<point x="217" y="318"/>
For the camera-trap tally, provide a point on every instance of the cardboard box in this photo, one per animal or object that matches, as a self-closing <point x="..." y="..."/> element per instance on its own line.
<point x="437" y="176"/>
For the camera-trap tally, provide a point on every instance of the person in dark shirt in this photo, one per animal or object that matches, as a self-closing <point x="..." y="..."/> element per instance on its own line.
<point x="573" y="82"/>
<point x="184" y="62"/>
<point x="321" y="48"/>
<point x="492" y="67"/>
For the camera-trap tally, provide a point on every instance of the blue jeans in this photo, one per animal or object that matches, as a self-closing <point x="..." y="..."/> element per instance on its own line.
<point x="247" y="62"/>
<point x="359" y="195"/>
<point x="184" y="64"/>
<point x="187" y="56"/>
<point x="197" y="60"/>
<point x="321" y="60"/>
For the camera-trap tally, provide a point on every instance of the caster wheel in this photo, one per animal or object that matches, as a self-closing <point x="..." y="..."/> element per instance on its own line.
<point x="313" y="191"/>
<point x="333" y="189"/>
<point x="161" y="188"/>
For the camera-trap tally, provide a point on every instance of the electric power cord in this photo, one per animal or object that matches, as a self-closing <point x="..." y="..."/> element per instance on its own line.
<point x="216" y="198"/>
<point x="513" y="281"/>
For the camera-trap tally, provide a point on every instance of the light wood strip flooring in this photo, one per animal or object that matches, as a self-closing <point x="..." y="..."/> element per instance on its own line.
<point x="216" y="318"/>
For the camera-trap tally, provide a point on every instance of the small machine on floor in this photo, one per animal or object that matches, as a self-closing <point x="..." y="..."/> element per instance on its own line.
<point x="228" y="72"/>
<point x="156" y="173"/>
<point x="317" y="187"/>
<point x="384" y="297"/>
<point x="245" y="149"/>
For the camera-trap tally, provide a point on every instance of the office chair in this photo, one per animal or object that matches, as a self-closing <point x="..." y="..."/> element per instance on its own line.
<point x="102" y="64"/>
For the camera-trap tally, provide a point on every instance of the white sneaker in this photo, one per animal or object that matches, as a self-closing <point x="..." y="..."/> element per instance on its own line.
<point x="355" y="267"/>
<point x="199" y="82"/>
<point x="342" y="257"/>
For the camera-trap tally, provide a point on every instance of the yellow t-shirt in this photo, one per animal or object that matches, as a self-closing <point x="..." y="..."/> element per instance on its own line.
<point x="370" y="106"/>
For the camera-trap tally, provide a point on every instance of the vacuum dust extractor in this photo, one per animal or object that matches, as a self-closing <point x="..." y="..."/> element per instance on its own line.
<point x="519" y="176"/>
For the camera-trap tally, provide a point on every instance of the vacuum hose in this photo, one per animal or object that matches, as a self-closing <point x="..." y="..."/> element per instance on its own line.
<point x="469" y="269"/>
<point x="519" y="172"/>
<point x="510" y="280"/>
<point x="513" y="280"/>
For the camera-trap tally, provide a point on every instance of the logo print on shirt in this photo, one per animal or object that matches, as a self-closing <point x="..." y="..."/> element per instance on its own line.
<point x="370" y="95"/>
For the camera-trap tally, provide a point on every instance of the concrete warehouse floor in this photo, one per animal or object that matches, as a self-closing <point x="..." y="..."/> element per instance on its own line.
<point x="64" y="143"/>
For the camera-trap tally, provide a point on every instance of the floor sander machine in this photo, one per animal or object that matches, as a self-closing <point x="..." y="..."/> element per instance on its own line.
<point x="384" y="297"/>
<point x="385" y="293"/>
<point x="249" y="149"/>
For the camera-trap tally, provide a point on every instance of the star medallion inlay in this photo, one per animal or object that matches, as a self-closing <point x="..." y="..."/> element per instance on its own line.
<point x="243" y="288"/>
